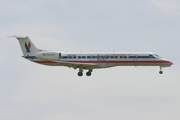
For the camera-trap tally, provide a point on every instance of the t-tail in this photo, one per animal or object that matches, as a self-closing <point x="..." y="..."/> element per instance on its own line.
<point x="27" y="47"/>
<point x="31" y="52"/>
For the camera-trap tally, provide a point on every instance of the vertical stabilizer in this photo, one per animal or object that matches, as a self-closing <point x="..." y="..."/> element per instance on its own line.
<point x="28" y="48"/>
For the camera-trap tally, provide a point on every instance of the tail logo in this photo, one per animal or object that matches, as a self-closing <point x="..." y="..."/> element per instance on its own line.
<point x="28" y="47"/>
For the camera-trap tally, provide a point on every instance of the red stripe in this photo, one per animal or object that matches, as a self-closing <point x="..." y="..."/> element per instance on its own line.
<point x="106" y="61"/>
<point x="119" y="61"/>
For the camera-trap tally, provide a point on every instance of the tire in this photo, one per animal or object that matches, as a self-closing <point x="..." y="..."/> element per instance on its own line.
<point x="80" y="74"/>
<point x="160" y="72"/>
<point x="88" y="73"/>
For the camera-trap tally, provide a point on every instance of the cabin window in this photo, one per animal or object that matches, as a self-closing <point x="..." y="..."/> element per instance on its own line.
<point x="64" y="57"/>
<point x="131" y="57"/>
<point x="107" y="56"/>
<point x="69" y="57"/>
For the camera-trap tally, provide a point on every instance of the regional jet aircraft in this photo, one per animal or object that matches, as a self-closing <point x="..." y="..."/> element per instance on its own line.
<point x="89" y="61"/>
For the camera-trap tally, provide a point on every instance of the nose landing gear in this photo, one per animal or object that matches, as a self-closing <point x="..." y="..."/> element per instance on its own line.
<point x="160" y="72"/>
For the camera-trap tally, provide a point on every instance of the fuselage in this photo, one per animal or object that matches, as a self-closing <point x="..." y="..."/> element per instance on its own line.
<point x="104" y="60"/>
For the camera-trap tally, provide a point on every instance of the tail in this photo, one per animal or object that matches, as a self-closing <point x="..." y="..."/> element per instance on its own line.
<point x="28" y="48"/>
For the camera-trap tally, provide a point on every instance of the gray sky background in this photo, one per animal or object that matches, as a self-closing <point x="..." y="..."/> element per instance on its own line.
<point x="29" y="91"/>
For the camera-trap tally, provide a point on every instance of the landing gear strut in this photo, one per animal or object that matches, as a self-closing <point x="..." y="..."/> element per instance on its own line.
<point x="160" y="72"/>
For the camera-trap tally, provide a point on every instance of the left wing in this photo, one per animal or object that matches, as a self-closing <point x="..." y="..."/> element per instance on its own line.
<point x="80" y="65"/>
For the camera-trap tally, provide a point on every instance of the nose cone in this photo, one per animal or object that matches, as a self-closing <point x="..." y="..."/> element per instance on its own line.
<point x="171" y="63"/>
<point x="168" y="62"/>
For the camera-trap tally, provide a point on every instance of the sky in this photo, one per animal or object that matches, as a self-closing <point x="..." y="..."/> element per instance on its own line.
<point x="29" y="91"/>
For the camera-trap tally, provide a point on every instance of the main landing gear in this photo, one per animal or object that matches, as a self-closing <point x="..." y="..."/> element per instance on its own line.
<point x="160" y="72"/>
<point x="80" y="73"/>
<point x="89" y="73"/>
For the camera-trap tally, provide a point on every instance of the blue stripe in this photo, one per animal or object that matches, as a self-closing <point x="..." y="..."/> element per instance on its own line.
<point x="120" y="57"/>
<point x="139" y="57"/>
<point x="32" y="57"/>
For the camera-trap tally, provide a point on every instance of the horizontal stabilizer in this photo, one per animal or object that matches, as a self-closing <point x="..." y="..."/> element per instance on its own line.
<point x="19" y="37"/>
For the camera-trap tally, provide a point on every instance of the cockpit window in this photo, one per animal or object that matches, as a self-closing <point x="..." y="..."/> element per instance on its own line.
<point x="155" y="55"/>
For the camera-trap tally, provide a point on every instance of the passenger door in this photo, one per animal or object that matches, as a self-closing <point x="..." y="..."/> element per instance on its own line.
<point x="135" y="60"/>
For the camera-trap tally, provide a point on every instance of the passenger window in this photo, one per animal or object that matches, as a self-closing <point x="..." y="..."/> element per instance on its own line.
<point x="64" y="57"/>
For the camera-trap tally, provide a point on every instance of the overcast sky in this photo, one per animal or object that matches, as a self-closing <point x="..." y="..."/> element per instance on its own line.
<point x="29" y="91"/>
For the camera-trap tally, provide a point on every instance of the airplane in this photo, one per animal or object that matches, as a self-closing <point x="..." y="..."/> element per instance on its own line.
<point x="89" y="61"/>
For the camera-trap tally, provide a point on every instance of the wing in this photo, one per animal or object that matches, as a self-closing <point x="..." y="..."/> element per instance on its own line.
<point x="79" y="65"/>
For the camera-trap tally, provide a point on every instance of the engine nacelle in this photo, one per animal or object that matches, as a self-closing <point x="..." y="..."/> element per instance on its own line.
<point x="52" y="56"/>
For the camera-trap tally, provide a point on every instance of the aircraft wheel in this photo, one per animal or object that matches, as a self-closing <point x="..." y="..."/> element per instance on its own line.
<point x="88" y="73"/>
<point x="80" y="73"/>
<point x="160" y="72"/>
